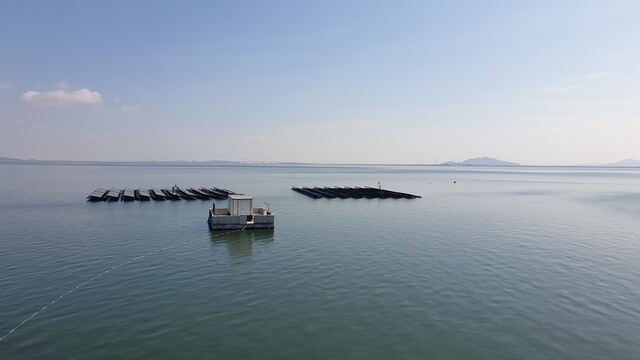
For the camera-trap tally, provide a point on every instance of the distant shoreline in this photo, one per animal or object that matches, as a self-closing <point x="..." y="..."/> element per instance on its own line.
<point x="216" y="163"/>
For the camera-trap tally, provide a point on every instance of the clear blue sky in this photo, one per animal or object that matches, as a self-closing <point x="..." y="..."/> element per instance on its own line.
<point x="536" y="82"/>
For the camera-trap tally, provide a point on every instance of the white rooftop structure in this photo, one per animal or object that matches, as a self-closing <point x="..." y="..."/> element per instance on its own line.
<point x="240" y="204"/>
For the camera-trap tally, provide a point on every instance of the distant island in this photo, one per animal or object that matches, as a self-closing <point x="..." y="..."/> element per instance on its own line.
<point x="625" y="162"/>
<point x="8" y="159"/>
<point x="481" y="161"/>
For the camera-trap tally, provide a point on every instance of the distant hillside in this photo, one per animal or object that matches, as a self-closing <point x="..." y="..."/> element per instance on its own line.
<point x="481" y="161"/>
<point x="626" y="162"/>
<point x="8" y="159"/>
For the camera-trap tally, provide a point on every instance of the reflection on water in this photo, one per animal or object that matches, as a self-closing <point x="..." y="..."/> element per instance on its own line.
<point x="240" y="243"/>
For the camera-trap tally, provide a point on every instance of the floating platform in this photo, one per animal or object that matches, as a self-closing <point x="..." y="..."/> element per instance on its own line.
<point x="352" y="193"/>
<point x="171" y="195"/>
<point x="158" y="194"/>
<point x="199" y="194"/>
<point x="214" y="194"/>
<point x="142" y="195"/>
<point x="240" y="215"/>
<point x="128" y="195"/>
<point x="98" y="194"/>
<point x="113" y="195"/>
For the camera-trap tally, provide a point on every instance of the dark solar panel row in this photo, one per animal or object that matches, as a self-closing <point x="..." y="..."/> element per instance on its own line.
<point x="352" y="193"/>
<point x="175" y="193"/>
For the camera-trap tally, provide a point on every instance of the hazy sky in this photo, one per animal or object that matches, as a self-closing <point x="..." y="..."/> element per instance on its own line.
<point x="534" y="82"/>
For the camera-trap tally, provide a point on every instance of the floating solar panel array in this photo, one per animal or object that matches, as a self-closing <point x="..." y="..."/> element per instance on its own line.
<point x="352" y="193"/>
<point x="158" y="194"/>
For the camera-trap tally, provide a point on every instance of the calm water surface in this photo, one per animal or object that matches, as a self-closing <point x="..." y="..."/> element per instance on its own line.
<point x="506" y="263"/>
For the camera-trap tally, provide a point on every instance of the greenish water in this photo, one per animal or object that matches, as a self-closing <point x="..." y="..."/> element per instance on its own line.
<point x="506" y="263"/>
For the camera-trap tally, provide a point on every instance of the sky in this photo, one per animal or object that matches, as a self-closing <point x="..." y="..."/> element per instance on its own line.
<point x="393" y="82"/>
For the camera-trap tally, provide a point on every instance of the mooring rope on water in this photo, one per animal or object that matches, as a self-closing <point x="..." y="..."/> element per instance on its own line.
<point x="99" y="275"/>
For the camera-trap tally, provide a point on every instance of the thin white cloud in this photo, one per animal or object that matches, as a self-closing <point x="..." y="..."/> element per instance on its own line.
<point x="558" y="89"/>
<point x="130" y="109"/>
<point x="62" y="97"/>
<point x="594" y="76"/>
<point x="5" y="86"/>
<point x="580" y="83"/>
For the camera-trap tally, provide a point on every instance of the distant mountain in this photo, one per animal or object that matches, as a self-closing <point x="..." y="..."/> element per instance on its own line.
<point x="481" y="161"/>
<point x="8" y="159"/>
<point x="626" y="162"/>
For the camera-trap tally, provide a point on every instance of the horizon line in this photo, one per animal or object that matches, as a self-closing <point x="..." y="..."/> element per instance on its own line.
<point x="4" y="160"/>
